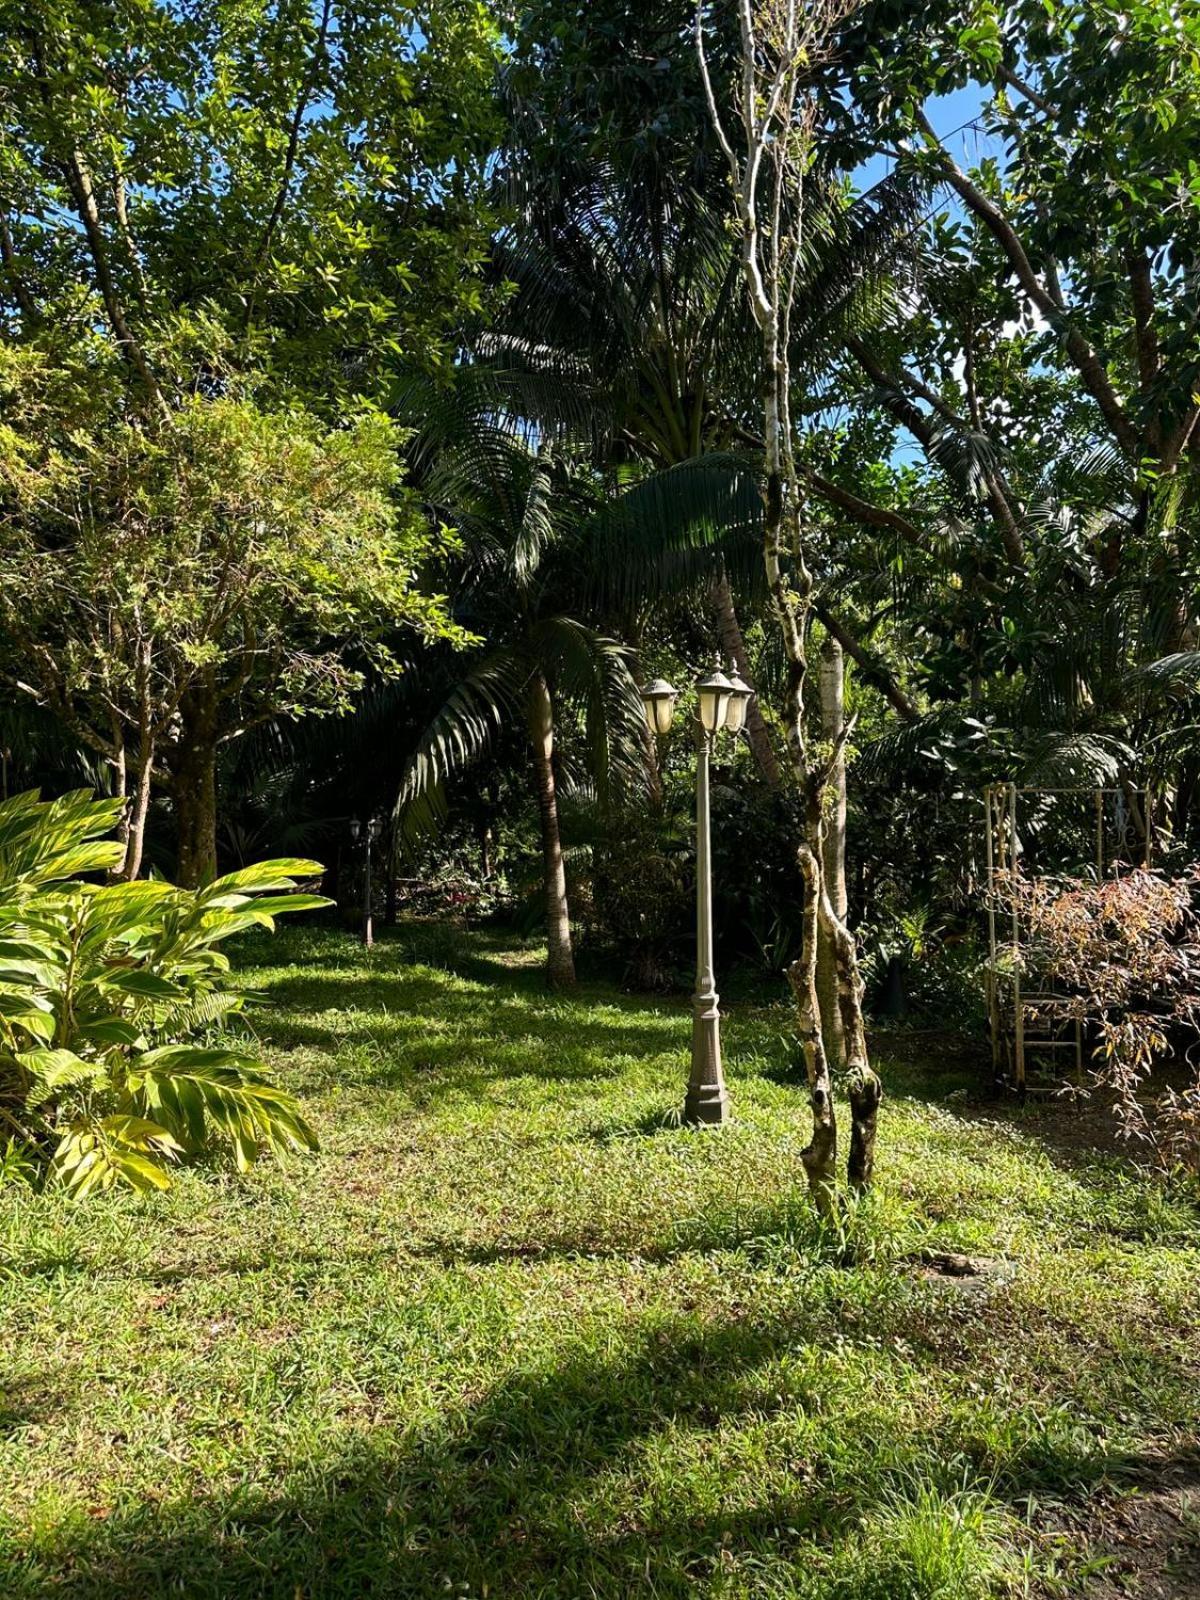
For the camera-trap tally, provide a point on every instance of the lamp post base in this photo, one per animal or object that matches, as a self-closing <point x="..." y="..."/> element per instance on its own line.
<point x="706" y="1107"/>
<point x="707" y="1102"/>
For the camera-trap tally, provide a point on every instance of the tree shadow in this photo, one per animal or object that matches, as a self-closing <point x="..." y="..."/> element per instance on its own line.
<point x="546" y="1485"/>
<point x="419" y="1027"/>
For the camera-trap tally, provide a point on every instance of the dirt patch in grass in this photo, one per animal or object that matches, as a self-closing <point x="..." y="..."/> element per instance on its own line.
<point x="1143" y="1540"/>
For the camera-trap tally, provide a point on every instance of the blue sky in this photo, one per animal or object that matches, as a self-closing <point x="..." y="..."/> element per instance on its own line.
<point x="952" y="116"/>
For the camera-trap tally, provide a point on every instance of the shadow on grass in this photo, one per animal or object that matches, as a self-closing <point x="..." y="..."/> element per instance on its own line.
<point x="787" y="1228"/>
<point x="24" y="1401"/>
<point x="446" y="1012"/>
<point x="603" y="1476"/>
<point x="416" y="1023"/>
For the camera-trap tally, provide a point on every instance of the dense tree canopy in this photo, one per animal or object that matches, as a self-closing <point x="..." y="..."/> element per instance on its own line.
<point x="238" y="238"/>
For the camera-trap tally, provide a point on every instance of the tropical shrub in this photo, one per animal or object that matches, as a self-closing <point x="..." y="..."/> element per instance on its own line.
<point x="106" y="990"/>
<point x="643" y="895"/>
<point x="1121" y="957"/>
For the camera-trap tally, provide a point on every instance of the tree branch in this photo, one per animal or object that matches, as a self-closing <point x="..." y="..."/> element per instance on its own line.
<point x="79" y="182"/>
<point x="12" y="270"/>
<point x="1087" y="362"/>
<point x="873" y="669"/>
<point x="866" y="511"/>
<point x="307" y="86"/>
<point x="1010" y="79"/>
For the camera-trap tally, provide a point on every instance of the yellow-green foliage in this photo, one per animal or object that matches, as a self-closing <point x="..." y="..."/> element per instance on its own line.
<point x="101" y="985"/>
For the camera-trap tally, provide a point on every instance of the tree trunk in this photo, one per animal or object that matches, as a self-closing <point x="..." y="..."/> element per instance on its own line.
<point x="820" y="1155"/>
<point x="769" y="159"/>
<point x="866" y="1092"/>
<point x="194" y="785"/>
<point x="733" y="645"/>
<point x="833" y="848"/>
<point x="136" y="811"/>
<point x="390" y="899"/>
<point x="560" y="960"/>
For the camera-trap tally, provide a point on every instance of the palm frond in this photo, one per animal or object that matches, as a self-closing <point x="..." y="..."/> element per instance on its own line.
<point x="593" y="671"/>
<point x="463" y="729"/>
<point x="676" y="529"/>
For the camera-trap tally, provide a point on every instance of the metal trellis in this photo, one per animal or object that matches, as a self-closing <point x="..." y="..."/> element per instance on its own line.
<point x="1024" y="1010"/>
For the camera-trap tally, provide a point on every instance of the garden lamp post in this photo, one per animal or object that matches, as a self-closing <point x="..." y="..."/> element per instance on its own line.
<point x="369" y="834"/>
<point x="720" y="704"/>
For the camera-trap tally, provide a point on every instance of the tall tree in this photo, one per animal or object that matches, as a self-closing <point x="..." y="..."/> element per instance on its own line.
<point x="285" y="236"/>
<point x="1040" y="387"/>
<point x="538" y="661"/>
<point x="766" y="135"/>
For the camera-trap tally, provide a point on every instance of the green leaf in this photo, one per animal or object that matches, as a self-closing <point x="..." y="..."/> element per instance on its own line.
<point x="55" y="1070"/>
<point x="138" y="1133"/>
<point x="112" y="1031"/>
<point x="145" y="985"/>
<point x="16" y="1003"/>
<point x="38" y="1024"/>
<point x="27" y="950"/>
<point x="261" y="877"/>
<point x="274" y="905"/>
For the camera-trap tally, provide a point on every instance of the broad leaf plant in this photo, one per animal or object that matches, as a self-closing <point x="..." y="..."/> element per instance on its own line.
<point x="108" y="994"/>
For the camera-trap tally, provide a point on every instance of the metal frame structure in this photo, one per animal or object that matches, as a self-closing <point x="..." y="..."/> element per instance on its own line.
<point x="1014" y="998"/>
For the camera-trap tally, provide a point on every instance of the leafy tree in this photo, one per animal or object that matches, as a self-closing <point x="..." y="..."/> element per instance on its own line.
<point x="101" y="987"/>
<point x="328" y="213"/>
<point x="168" y="588"/>
<point x="198" y="259"/>
<point x="1045" y="367"/>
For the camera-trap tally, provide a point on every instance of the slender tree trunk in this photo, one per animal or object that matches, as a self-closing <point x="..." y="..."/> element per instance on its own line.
<point x="119" y="766"/>
<point x="774" y="112"/>
<point x="733" y="645"/>
<point x="137" y="811"/>
<point x="194" y="785"/>
<point x="560" y="959"/>
<point x="833" y="847"/>
<point x="391" y="858"/>
<point x="820" y="1155"/>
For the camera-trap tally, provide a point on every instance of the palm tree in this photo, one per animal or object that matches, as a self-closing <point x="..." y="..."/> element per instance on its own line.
<point x="628" y="327"/>
<point x="516" y="511"/>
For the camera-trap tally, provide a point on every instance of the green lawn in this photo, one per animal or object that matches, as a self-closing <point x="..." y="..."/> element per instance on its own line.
<point x="517" y="1334"/>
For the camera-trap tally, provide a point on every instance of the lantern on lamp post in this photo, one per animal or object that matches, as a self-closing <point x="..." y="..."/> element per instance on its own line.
<point x="720" y="705"/>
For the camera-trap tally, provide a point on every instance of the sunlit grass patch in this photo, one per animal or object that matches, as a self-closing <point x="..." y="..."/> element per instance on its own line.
<point x="517" y="1331"/>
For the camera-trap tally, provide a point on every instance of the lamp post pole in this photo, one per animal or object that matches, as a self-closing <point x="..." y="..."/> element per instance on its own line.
<point x="707" y="1099"/>
<point x="368" y="926"/>
<point x="720" y="703"/>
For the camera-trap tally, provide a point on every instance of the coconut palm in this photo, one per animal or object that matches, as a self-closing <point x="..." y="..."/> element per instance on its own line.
<point x="517" y="513"/>
<point x="627" y="326"/>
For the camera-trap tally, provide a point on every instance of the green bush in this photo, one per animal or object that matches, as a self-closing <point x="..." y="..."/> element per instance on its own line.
<point x="103" y="985"/>
<point x="643" y="896"/>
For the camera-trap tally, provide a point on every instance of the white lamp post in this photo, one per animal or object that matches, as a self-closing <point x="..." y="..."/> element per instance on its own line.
<point x="659" y="700"/>
<point x="739" y="703"/>
<point x="720" y="704"/>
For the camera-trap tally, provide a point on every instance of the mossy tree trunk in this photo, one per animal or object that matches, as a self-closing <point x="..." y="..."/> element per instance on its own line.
<point x="833" y="847"/>
<point x="768" y="145"/>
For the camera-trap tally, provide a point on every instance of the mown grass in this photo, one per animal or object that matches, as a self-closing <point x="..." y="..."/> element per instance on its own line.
<point x="517" y="1334"/>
